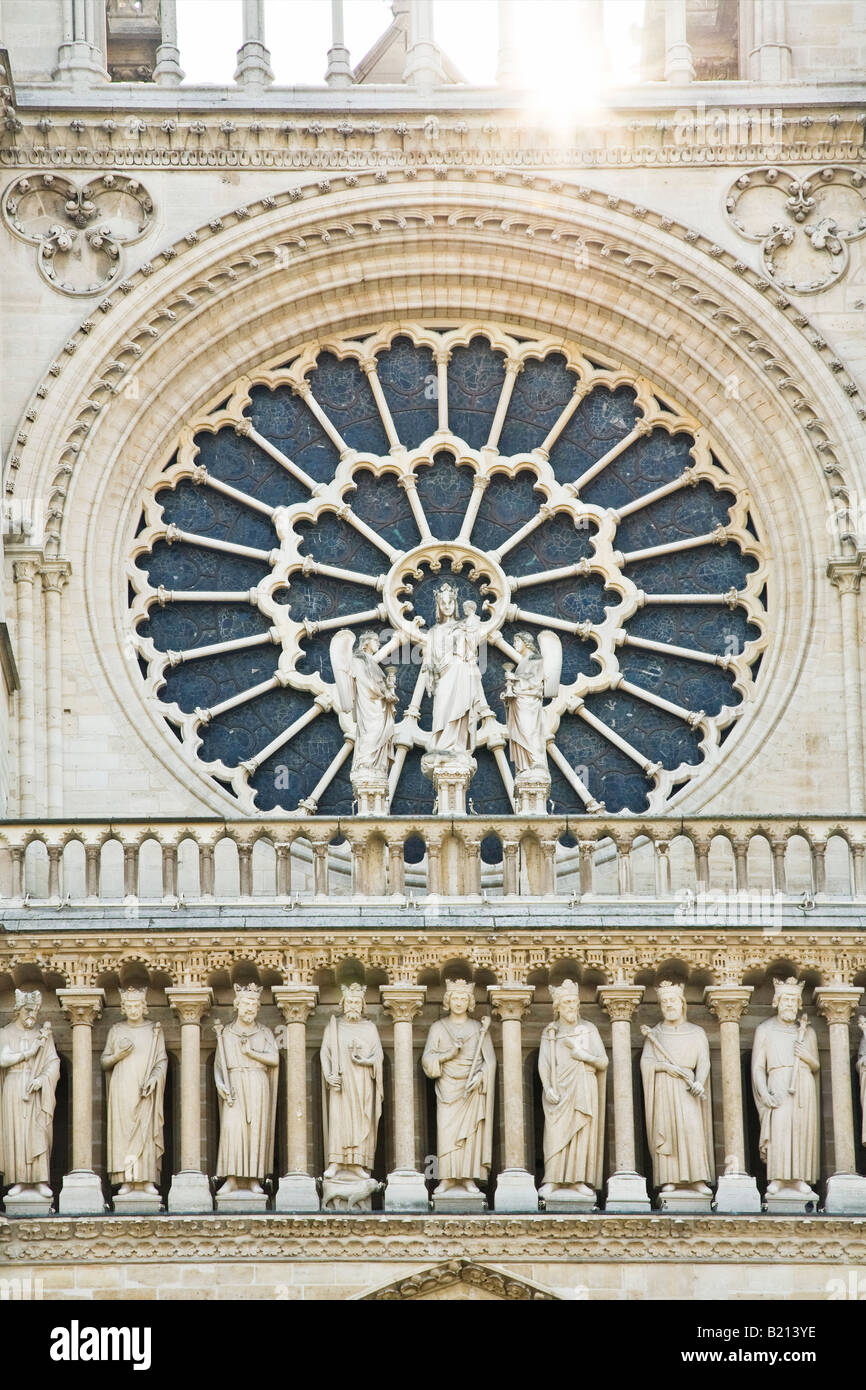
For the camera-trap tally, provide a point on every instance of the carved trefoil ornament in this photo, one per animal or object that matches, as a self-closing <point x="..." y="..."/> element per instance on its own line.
<point x="79" y="230"/>
<point x="804" y="225"/>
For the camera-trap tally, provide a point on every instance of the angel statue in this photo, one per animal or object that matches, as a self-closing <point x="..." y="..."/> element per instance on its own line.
<point x="369" y="695"/>
<point x="534" y="678"/>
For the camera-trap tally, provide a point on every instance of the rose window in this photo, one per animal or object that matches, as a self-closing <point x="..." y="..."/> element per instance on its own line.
<point x="558" y="494"/>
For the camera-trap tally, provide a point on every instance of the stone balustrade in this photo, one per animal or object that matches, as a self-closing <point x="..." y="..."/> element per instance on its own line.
<point x="84" y="862"/>
<point x="728" y="977"/>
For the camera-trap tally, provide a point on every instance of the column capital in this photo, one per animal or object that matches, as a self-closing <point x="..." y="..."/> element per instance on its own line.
<point x="403" y="1001"/>
<point x="26" y="568"/>
<point x="82" y="1003"/>
<point x="296" y="1001"/>
<point x="727" y="1002"/>
<point x="55" y="575"/>
<point x="837" y="1002"/>
<point x="620" y="1000"/>
<point x="510" y="1001"/>
<point x="190" y="1002"/>
<point x="845" y="573"/>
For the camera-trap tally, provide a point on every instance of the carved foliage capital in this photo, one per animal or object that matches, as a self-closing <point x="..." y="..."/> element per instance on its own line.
<point x="190" y="1002"/>
<point x="620" y="1001"/>
<point x="296" y="1001"/>
<point x="511" y="1001"/>
<point x="403" y="1001"/>
<point x="837" y="1002"/>
<point x="82" y="1004"/>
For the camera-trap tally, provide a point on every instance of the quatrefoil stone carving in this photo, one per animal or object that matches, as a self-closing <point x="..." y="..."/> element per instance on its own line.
<point x="804" y="225"/>
<point x="78" y="231"/>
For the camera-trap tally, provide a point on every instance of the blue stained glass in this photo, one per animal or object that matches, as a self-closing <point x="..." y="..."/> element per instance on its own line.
<point x="610" y="775"/>
<point x="658" y="735"/>
<point x="688" y="683"/>
<point x="381" y="502"/>
<point x="205" y="512"/>
<point x="409" y="382"/>
<point x="414" y="794"/>
<point x="244" y="731"/>
<point x="475" y="377"/>
<point x="444" y="491"/>
<point x="334" y="542"/>
<point x="318" y="597"/>
<point x="284" y="419"/>
<point x="212" y="679"/>
<point x="506" y="505"/>
<point x="293" y="771"/>
<point x="712" y="569"/>
<point x="553" y="544"/>
<point x="602" y="419"/>
<point x="704" y="626"/>
<point x="345" y="395"/>
<point x="184" y="566"/>
<point x="578" y="600"/>
<point x="691" y="511"/>
<point x="181" y="626"/>
<point x="541" y="393"/>
<point x="241" y="463"/>
<point x="487" y="790"/>
<point x="648" y="463"/>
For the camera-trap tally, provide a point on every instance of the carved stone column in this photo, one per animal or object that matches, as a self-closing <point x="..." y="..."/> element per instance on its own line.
<point x="297" y="1189"/>
<point x="339" y="71"/>
<point x="423" y="66"/>
<point x="626" y="1188"/>
<point x="81" y="1193"/>
<point x="846" y="1189"/>
<point x="770" y="59"/>
<point x="737" y="1191"/>
<point x="190" y="1188"/>
<point x="25" y="573"/>
<point x="254" y="61"/>
<point x="845" y="575"/>
<point x="406" y="1189"/>
<point x="515" y="1185"/>
<point x="168" y="71"/>
<point x="678" y="54"/>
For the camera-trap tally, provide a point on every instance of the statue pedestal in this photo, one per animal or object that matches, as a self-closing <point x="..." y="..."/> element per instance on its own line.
<point x="531" y="792"/>
<point x="28" y="1204"/>
<point x="189" y="1194"/>
<point x="846" y="1193"/>
<point x="137" y="1204"/>
<point x="462" y="1203"/>
<point x="241" y="1203"/>
<point x="515" y="1191"/>
<point x="737" y="1193"/>
<point x="567" y="1200"/>
<point x="790" y="1203"/>
<point x="406" y="1190"/>
<point x="450" y="774"/>
<point x="683" y="1199"/>
<point x="81" y="1194"/>
<point x="626" y="1192"/>
<point x="297" y="1192"/>
<point x="371" y="792"/>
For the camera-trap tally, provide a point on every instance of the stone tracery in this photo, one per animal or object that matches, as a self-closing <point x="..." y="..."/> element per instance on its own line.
<point x="338" y="490"/>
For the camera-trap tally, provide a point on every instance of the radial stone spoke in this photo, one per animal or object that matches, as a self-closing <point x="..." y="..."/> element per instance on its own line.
<point x="202" y="478"/>
<point x="369" y="615"/>
<point x="572" y="778"/>
<point x="691" y="717"/>
<point x="688" y="653"/>
<point x="505" y="774"/>
<point x="253" y="764"/>
<point x="206" y="715"/>
<point x="526" y="615"/>
<point x="310" y="803"/>
<point x="717" y="537"/>
<point x="551" y="576"/>
<point x="217" y="648"/>
<point x="731" y="598"/>
<point x="618" y="742"/>
<point x="311" y="566"/>
<point x="593" y="471"/>
<point x="544" y="513"/>
<point x="279" y="457"/>
<point x="686" y="479"/>
<point x="165" y="596"/>
<point x="174" y="534"/>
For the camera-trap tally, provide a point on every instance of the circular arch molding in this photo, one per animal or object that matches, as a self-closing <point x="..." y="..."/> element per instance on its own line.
<point x="175" y="338"/>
